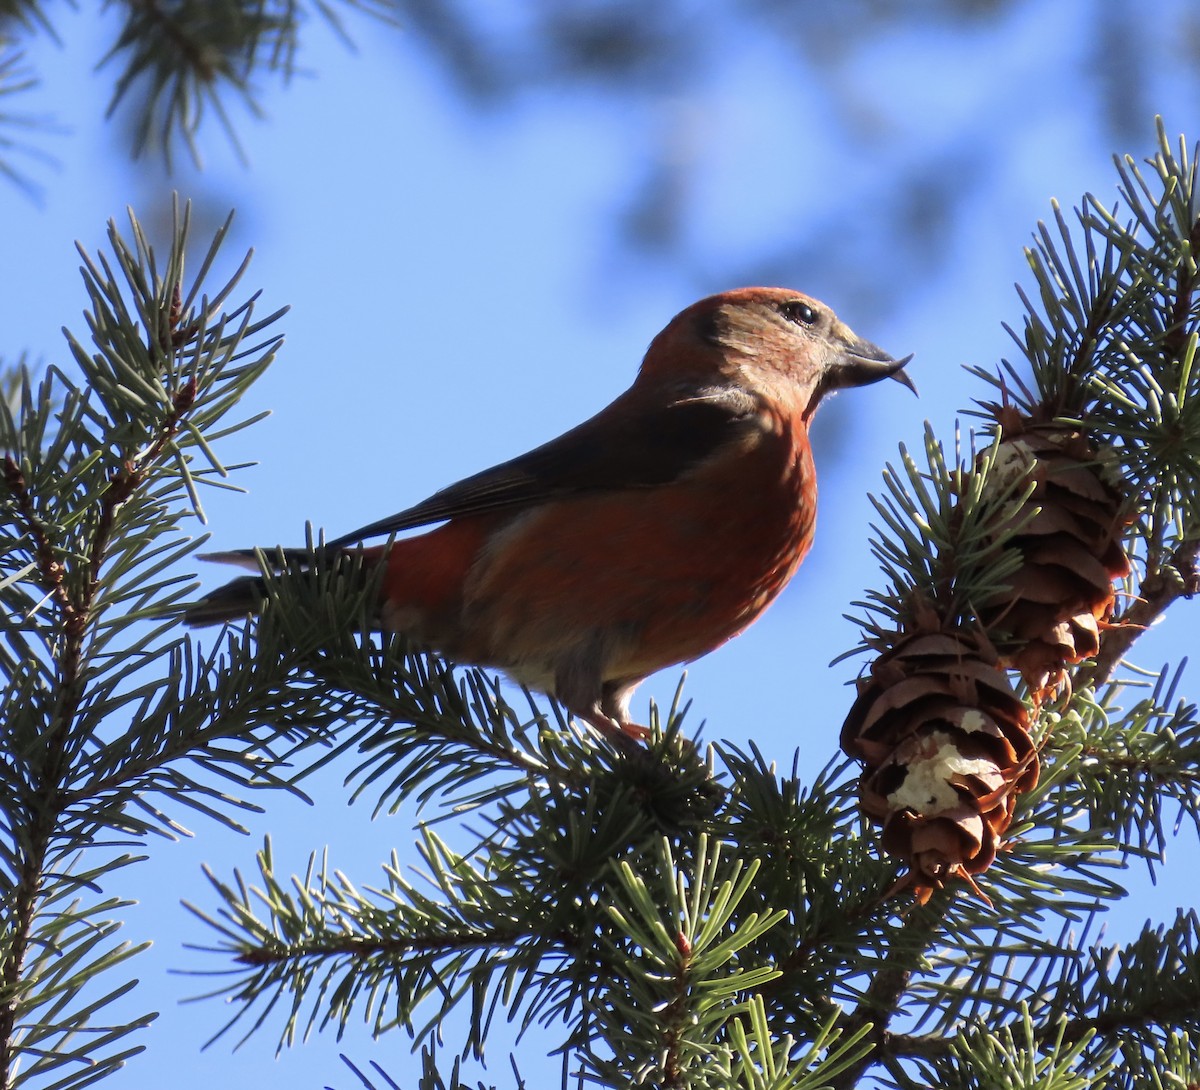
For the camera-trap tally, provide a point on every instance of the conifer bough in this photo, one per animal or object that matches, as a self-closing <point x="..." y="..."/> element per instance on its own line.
<point x="1018" y="560"/>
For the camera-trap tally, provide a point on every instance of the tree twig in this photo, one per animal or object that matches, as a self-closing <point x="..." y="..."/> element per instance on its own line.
<point x="1180" y="578"/>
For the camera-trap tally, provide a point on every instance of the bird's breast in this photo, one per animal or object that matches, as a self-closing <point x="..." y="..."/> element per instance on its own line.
<point x="660" y="575"/>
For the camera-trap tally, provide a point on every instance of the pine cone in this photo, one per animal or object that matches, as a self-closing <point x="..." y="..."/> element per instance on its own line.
<point x="945" y="741"/>
<point x="1062" y="595"/>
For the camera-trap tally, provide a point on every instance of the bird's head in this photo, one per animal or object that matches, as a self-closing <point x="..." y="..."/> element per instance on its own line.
<point x="779" y="343"/>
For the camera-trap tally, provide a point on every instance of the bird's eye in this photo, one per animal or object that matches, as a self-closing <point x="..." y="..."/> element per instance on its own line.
<point x="798" y="312"/>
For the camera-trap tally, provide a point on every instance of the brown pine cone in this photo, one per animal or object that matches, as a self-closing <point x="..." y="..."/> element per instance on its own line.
<point x="1062" y="596"/>
<point x="946" y="747"/>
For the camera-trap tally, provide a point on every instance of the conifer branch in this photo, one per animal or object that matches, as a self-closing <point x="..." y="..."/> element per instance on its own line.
<point x="1178" y="577"/>
<point x="76" y="613"/>
<point x="96" y="479"/>
<point x="1110" y="341"/>
<point x="890" y="981"/>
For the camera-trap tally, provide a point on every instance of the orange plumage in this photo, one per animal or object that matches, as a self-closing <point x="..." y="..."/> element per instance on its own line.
<point x="646" y="536"/>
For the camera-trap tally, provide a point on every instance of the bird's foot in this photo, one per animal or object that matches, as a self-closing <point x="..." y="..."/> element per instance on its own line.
<point x="622" y="735"/>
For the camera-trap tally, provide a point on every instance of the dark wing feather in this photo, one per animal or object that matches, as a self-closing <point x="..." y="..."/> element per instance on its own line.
<point x="626" y="446"/>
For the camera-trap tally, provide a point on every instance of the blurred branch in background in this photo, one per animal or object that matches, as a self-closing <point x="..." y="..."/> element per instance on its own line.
<point x="17" y="127"/>
<point x="177" y="65"/>
<point x="658" y="64"/>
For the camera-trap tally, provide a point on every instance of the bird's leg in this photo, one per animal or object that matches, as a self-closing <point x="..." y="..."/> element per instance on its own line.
<point x="604" y="705"/>
<point x="614" y="706"/>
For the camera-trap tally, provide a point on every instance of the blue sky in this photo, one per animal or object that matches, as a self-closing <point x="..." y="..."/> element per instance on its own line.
<point x="458" y="295"/>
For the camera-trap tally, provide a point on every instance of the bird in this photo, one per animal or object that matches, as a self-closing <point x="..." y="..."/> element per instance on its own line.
<point x="643" y="538"/>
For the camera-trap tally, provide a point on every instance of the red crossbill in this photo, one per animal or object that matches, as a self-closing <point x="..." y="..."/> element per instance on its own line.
<point x="645" y="537"/>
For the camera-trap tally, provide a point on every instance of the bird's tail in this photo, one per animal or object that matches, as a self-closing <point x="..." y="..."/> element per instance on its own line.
<point x="245" y="596"/>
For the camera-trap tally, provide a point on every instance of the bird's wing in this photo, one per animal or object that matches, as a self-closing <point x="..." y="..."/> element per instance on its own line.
<point x="626" y="446"/>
